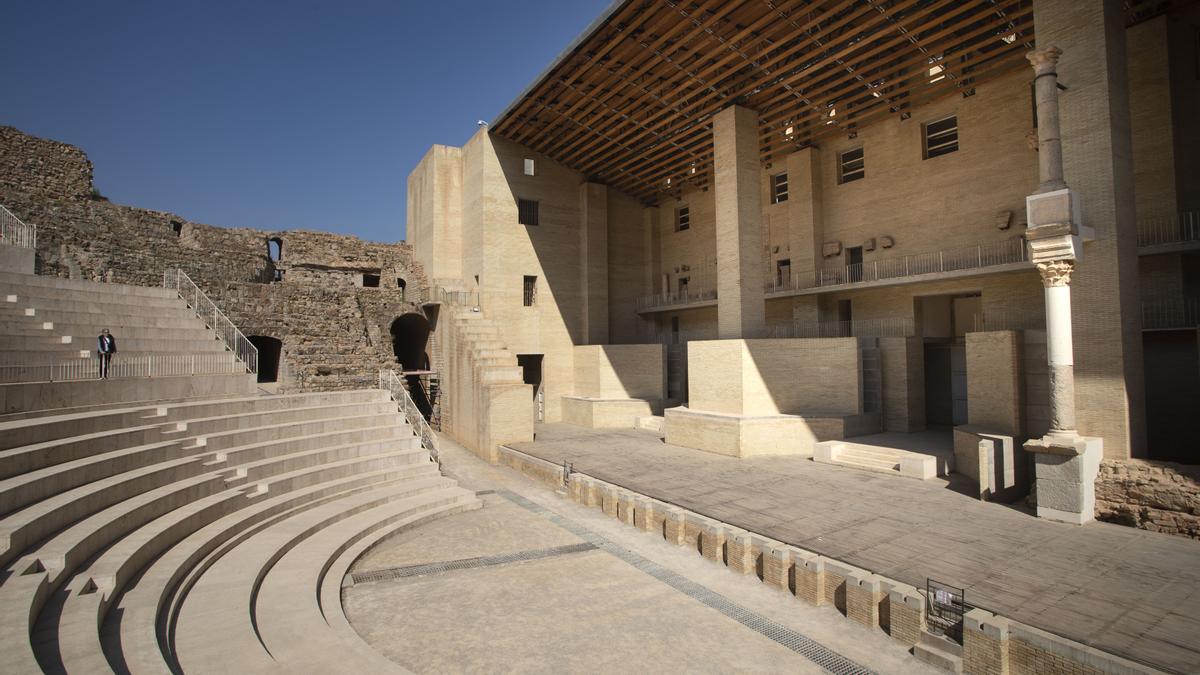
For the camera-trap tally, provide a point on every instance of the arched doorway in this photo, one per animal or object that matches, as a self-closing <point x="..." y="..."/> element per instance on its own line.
<point x="269" y="349"/>
<point x="275" y="254"/>
<point x="410" y="334"/>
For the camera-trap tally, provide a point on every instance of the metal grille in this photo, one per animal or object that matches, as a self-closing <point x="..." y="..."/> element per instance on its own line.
<point x="807" y="647"/>
<point x="947" y="604"/>
<point x="393" y="573"/>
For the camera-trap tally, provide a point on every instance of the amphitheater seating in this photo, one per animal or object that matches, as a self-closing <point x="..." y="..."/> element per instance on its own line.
<point x="197" y="533"/>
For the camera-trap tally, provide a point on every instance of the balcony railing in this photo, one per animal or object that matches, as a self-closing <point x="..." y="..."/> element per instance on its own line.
<point x="1177" y="314"/>
<point x="14" y="232"/>
<point x="888" y="327"/>
<point x="456" y="298"/>
<point x="980" y="256"/>
<point x="125" y="366"/>
<point x="1178" y="229"/>
<point x="687" y="297"/>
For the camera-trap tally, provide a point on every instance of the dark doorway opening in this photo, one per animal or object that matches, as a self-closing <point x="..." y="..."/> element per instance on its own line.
<point x="269" y="349"/>
<point x="410" y="334"/>
<point x="370" y="281"/>
<point x="854" y="264"/>
<point x="531" y="373"/>
<point x="1172" y="359"/>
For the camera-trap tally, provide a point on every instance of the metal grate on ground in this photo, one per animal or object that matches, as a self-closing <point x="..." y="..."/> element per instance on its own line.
<point x="393" y="573"/>
<point x="803" y="645"/>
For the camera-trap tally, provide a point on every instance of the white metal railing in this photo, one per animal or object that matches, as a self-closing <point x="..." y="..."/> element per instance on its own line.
<point x="685" y="297"/>
<point x="1177" y="229"/>
<point x="1180" y="313"/>
<point x="458" y="298"/>
<point x="123" y="366"/>
<point x="14" y="232"/>
<point x="390" y="382"/>
<point x="901" y="326"/>
<point x="979" y="256"/>
<point x="208" y="312"/>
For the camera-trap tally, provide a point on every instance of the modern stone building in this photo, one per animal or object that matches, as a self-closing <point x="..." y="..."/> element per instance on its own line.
<point x="783" y="225"/>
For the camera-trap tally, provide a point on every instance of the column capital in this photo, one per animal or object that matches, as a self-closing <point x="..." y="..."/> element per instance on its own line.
<point x="1044" y="60"/>
<point x="1056" y="272"/>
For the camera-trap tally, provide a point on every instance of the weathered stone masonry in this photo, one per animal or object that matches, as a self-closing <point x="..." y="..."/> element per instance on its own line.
<point x="335" y="332"/>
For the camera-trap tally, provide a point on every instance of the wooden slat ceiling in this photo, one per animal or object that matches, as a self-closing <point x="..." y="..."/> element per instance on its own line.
<point x="631" y="105"/>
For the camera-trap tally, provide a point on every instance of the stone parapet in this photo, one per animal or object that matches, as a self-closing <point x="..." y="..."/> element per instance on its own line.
<point x="905" y="613"/>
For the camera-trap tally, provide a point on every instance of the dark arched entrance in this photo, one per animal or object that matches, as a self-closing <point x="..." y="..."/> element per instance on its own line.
<point x="410" y="334"/>
<point x="269" y="349"/>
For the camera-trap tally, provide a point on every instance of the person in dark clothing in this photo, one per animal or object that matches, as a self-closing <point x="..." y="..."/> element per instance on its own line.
<point x="106" y="346"/>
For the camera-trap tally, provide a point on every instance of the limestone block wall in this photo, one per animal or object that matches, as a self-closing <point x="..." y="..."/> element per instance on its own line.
<point x="903" y="375"/>
<point x="1155" y="496"/>
<point x="994" y="386"/>
<point x="775" y="376"/>
<point x="621" y="371"/>
<point x="435" y="212"/>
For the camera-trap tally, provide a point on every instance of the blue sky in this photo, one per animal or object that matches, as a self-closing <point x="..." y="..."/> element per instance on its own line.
<point x="271" y="114"/>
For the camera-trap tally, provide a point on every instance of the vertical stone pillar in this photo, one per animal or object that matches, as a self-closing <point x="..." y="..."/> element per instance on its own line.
<point x="806" y="227"/>
<point x="741" y="309"/>
<point x="985" y="643"/>
<point x="1065" y="463"/>
<point x="1096" y="162"/>
<point x="593" y="269"/>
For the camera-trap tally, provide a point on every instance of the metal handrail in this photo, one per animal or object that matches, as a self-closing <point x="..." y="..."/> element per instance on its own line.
<point x="14" y="232"/>
<point x="458" y="298"/>
<point x="123" y="366"/>
<point x="1176" y="229"/>
<point x="979" y="256"/>
<point x="390" y="382"/>
<point x="206" y="310"/>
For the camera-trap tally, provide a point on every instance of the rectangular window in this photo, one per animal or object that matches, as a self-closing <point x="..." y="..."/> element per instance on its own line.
<point x="528" y="166"/>
<point x="530" y="290"/>
<point x="527" y="212"/>
<point x="941" y="137"/>
<point x="683" y="286"/>
<point x="370" y="281"/>
<point x="852" y="166"/>
<point x="683" y="219"/>
<point x="779" y="188"/>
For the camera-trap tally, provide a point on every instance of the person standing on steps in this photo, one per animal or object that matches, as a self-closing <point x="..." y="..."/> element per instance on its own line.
<point x="106" y="346"/>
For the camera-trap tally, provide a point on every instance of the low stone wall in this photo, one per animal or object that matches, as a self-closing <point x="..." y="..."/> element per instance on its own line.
<point x="1155" y="496"/>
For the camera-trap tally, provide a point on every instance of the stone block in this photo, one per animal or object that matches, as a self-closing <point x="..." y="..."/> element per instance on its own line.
<point x="609" y="501"/>
<point x="777" y="567"/>
<point x="674" y="526"/>
<point x="985" y="643"/>
<point x="712" y="542"/>
<point x="643" y="513"/>
<point x="1066" y="489"/>
<point x="864" y="594"/>
<point x="625" y="508"/>
<point x="593" y="413"/>
<point x="810" y="580"/>
<point x="739" y="435"/>
<point x="577" y="488"/>
<point x="905" y="613"/>
<point x="741" y="557"/>
<point x="592" y="494"/>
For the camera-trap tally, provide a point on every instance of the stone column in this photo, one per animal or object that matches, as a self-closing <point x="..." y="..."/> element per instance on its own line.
<point x="1050" y="166"/>
<point x="593" y="247"/>
<point x="1065" y="463"/>
<point x="741" y="310"/>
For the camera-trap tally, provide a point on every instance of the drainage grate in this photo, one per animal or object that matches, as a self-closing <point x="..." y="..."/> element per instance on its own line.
<point x="797" y="642"/>
<point x="393" y="573"/>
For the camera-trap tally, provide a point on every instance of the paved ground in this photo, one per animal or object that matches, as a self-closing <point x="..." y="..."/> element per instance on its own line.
<point x="629" y="602"/>
<point x="1127" y="591"/>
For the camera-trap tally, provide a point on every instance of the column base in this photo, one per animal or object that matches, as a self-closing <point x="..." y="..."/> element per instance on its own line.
<point x="1065" y="469"/>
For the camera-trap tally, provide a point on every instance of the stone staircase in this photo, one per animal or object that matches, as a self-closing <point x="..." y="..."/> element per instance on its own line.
<point x="48" y="342"/>
<point x="939" y="652"/>
<point x="877" y="459"/>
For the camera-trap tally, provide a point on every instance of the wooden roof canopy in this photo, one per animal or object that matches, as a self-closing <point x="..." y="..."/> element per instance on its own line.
<point x="631" y="104"/>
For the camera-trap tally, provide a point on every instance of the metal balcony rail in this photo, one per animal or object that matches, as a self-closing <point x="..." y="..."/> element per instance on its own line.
<point x="457" y="298"/>
<point x="207" y="311"/>
<point x="979" y="256"/>
<point x="685" y="297"/>
<point x="390" y="382"/>
<point x="124" y="366"/>
<point x="886" y="327"/>
<point x="1176" y="229"/>
<point x="1176" y="314"/>
<point x="14" y="232"/>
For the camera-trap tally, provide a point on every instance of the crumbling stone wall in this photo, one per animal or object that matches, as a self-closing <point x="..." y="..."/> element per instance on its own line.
<point x="335" y="333"/>
<point x="1156" y="496"/>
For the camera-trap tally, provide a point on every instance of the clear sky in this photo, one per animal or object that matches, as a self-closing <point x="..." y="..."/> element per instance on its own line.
<point x="271" y="114"/>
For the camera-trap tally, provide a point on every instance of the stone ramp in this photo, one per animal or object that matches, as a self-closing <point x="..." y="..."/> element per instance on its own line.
<point x="113" y="517"/>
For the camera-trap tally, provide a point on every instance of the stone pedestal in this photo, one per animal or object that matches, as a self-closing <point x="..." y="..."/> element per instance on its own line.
<point x="1065" y="471"/>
